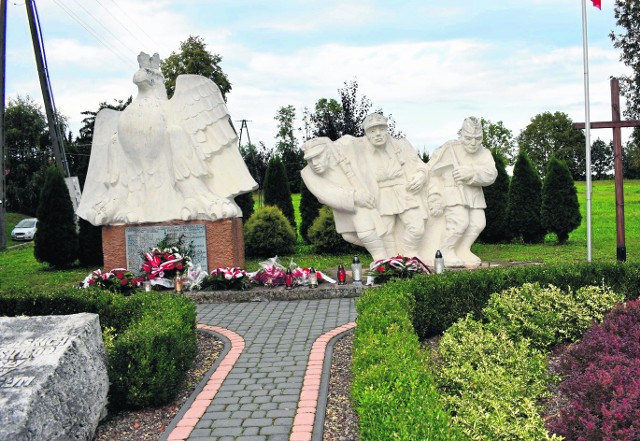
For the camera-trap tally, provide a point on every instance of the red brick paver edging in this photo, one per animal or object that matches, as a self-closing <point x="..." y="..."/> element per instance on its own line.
<point x="188" y="422"/>
<point x="307" y="406"/>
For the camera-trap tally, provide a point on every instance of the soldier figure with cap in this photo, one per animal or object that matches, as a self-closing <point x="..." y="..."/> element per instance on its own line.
<point x="457" y="172"/>
<point x="332" y="178"/>
<point x="396" y="176"/>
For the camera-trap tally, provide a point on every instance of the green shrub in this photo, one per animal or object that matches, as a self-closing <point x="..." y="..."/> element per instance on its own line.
<point x="56" y="241"/>
<point x="548" y="316"/>
<point x="151" y="337"/>
<point x="492" y="384"/>
<point x="323" y="235"/>
<point x="560" y="212"/>
<point x="444" y="298"/>
<point x="267" y="233"/>
<point x="393" y="393"/>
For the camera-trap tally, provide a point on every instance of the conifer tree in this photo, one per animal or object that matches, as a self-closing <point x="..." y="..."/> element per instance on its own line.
<point x="56" y="241"/>
<point x="277" y="191"/>
<point x="560" y="212"/>
<point x="245" y="202"/>
<point x="523" y="209"/>
<point x="497" y="197"/>
<point x="309" y="210"/>
<point x="90" y="244"/>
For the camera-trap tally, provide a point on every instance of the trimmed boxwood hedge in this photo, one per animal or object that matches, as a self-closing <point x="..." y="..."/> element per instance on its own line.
<point x="393" y="391"/>
<point x="154" y="340"/>
<point x="444" y="298"/>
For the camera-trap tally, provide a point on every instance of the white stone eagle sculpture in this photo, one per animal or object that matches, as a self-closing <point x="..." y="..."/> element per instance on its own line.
<point x="161" y="160"/>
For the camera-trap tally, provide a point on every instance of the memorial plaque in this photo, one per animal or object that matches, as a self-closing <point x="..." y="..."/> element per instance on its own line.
<point x="142" y="239"/>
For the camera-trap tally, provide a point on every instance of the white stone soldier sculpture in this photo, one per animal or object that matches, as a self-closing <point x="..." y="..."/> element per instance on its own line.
<point x="332" y="178"/>
<point x="457" y="172"/>
<point x="396" y="176"/>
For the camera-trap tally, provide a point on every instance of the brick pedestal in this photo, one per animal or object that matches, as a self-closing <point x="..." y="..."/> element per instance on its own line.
<point x="225" y="242"/>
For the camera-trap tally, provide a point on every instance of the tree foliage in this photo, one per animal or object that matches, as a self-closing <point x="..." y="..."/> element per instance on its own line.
<point x="89" y="244"/>
<point x="79" y="150"/>
<point x="28" y="153"/>
<point x="497" y="197"/>
<point x="495" y="136"/>
<point x="631" y="156"/>
<point x="553" y="134"/>
<point x="627" y="14"/>
<point x="523" y="208"/>
<point x="56" y="241"/>
<point x="287" y="145"/>
<point x="335" y="118"/>
<point x="276" y="189"/>
<point x="560" y="210"/>
<point x="309" y="210"/>
<point x="601" y="158"/>
<point x="257" y="159"/>
<point x="194" y="58"/>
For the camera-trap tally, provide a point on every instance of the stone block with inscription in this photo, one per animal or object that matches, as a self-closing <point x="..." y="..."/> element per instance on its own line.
<point x="53" y="377"/>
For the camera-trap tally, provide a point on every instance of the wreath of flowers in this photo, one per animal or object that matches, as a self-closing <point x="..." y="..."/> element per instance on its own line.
<point x="398" y="267"/>
<point x="226" y="278"/>
<point x="118" y="280"/>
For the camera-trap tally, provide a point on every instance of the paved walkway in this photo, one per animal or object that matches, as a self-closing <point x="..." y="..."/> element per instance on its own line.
<point x="266" y="385"/>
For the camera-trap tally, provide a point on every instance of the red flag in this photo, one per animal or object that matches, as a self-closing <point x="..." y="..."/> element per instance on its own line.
<point x="597" y="4"/>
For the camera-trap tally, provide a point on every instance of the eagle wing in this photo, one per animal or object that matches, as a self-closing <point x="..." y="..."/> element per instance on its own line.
<point x="101" y="174"/>
<point x="198" y="109"/>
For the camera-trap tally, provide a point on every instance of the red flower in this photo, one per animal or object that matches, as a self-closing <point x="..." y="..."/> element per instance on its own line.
<point x="92" y="282"/>
<point x="123" y="282"/>
<point x="179" y="266"/>
<point x="380" y="269"/>
<point x="119" y="275"/>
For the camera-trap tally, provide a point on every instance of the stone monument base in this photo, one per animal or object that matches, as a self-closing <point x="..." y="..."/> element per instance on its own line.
<point x="224" y="242"/>
<point x="53" y="377"/>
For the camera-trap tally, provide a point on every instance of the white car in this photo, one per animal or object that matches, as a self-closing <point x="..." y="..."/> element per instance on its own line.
<point x="25" y="229"/>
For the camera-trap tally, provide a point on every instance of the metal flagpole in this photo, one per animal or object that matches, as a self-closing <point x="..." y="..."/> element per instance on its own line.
<point x="587" y="123"/>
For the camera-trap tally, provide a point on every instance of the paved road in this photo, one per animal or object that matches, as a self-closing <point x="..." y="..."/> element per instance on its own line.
<point x="257" y="400"/>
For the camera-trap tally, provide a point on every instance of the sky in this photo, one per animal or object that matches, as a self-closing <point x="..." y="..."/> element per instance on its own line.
<point x="428" y="63"/>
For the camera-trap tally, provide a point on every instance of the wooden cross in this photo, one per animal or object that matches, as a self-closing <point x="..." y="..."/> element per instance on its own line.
<point x="616" y="124"/>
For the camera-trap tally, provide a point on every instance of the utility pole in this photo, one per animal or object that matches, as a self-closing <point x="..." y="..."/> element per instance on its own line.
<point x="244" y="126"/>
<point x="3" y="52"/>
<point x="45" y="85"/>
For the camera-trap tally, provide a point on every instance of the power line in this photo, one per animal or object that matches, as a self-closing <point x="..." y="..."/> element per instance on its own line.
<point x="104" y="27"/>
<point x="134" y="22"/>
<point x="119" y="22"/>
<point x="93" y="33"/>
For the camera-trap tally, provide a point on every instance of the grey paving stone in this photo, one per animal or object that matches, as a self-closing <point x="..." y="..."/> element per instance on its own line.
<point x="259" y="398"/>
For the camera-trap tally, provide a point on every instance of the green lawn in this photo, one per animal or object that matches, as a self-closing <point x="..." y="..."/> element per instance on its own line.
<point x="18" y="268"/>
<point x="603" y="231"/>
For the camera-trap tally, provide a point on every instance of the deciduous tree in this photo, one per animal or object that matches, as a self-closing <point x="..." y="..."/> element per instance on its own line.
<point x="194" y="58"/>
<point x="495" y="136"/>
<point x="553" y="134"/>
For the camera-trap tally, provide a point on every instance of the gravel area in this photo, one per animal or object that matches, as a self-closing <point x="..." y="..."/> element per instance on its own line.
<point x="341" y="423"/>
